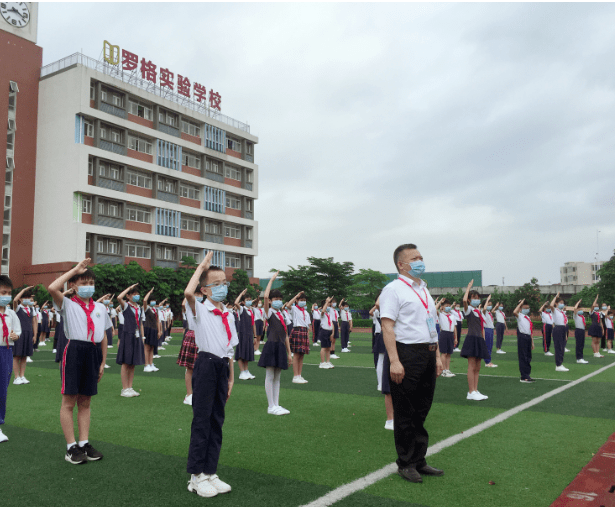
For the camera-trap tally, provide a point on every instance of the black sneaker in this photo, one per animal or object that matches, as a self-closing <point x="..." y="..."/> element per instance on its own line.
<point x="91" y="453"/>
<point x="527" y="380"/>
<point x="76" y="456"/>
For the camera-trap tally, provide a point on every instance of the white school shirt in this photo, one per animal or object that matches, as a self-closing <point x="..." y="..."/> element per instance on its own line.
<point x="500" y="317"/>
<point x="258" y="313"/>
<point x="523" y="324"/>
<point x="346" y="316"/>
<point x="39" y="315"/>
<point x="488" y="319"/>
<point x="375" y="317"/>
<point x="578" y="321"/>
<point x="76" y="324"/>
<point x="13" y="323"/>
<point x="326" y="321"/>
<point x="209" y="330"/>
<point x="458" y="315"/>
<point x="316" y="315"/>
<point x="333" y="315"/>
<point x="162" y="315"/>
<point x="445" y="325"/>
<point x="57" y="316"/>
<point x="120" y="318"/>
<point x="403" y="305"/>
<point x="301" y="318"/>
<point x="113" y="313"/>
<point x="559" y="317"/>
<point x="547" y="318"/>
<point x="609" y="323"/>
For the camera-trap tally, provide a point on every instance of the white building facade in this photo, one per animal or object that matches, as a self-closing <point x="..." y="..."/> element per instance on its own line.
<point x="580" y="273"/>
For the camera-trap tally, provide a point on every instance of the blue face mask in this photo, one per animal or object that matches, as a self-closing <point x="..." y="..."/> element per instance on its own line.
<point x="561" y="306"/>
<point x="199" y="299"/>
<point x="5" y="300"/>
<point x="135" y="298"/>
<point x="447" y="309"/>
<point x="548" y="310"/>
<point x="152" y="303"/>
<point x="501" y="308"/>
<point x="86" y="291"/>
<point x="219" y="292"/>
<point x="596" y="309"/>
<point x="525" y="311"/>
<point x="475" y="303"/>
<point x="417" y="268"/>
<point x="580" y="312"/>
<point x="248" y="302"/>
<point x="26" y="302"/>
<point x="106" y="301"/>
<point x="315" y="307"/>
<point x="489" y="307"/>
<point x="277" y="304"/>
<point x="302" y="304"/>
<point x="333" y="305"/>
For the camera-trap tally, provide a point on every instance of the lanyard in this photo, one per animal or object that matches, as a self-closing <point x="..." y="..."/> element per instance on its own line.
<point x="418" y="295"/>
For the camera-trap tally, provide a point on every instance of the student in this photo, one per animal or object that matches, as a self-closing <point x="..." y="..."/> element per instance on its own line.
<point x="120" y="325"/>
<point x="60" y="335"/>
<point x="346" y="326"/>
<point x="447" y="340"/>
<point x="43" y="326"/>
<point x="525" y="343"/>
<point x="560" y="325"/>
<point x="188" y="351"/>
<point x="325" y="336"/>
<point x="244" y="353"/>
<point x="474" y="348"/>
<point x="381" y="359"/>
<point x="299" y="339"/>
<point x="315" y="324"/>
<point x="113" y="315"/>
<point x="579" y="332"/>
<point x="458" y="314"/>
<point x="82" y="368"/>
<point x="488" y="321"/>
<point x="336" y="329"/>
<point x="609" y="331"/>
<point x="259" y="325"/>
<point x="162" y="319"/>
<point x="547" y="327"/>
<point x="500" y="328"/>
<point x="130" y="351"/>
<point x="603" y="341"/>
<point x="24" y="346"/>
<point x="11" y="329"/>
<point x="276" y="354"/>
<point x="106" y="300"/>
<point x="212" y="379"/>
<point x="152" y="331"/>
<point x="596" y="329"/>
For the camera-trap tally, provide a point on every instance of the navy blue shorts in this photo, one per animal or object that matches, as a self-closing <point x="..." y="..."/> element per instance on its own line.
<point x="79" y="368"/>
<point x="324" y="335"/>
<point x="609" y="334"/>
<point x="336" y="330"/>
<point x="446" y="342"/>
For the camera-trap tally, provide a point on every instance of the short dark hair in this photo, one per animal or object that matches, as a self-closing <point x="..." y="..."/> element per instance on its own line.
<point x="88" y="274"/>
<point x="377" y="295"/>
<point x="275" y="293"/>
<point x="399" y="250"/>
<point x="27" y="294"/>
<point x="559" y="300"/>
<point x="474" y="293"/>
<point x="134" y="290"/>
<point x="212" y="269"/>
<point x="302" y="296"/>
<point x="5" y="281"/>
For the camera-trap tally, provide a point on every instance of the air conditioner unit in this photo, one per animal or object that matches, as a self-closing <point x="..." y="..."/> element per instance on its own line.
<point x="13" y="86"/>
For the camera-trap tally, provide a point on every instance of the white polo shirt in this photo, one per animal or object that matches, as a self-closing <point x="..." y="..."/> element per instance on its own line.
<point x="547" y="318"/>
<point x="403" y="305"/>
<point x="346" y="316"/>
<point x="500" y="317"/>
<point x="559" y="317"/>
<point x="375" y="317"/>
<point x="445" y="323"/>
<point x="301" y="318"/>
<point x="488" y="319"/>
<point x="579" y="323"/>
<point x="316" y="315"/>
<point x="258" y="313"/>
<point x="13" y="323"/>
<point x="76" y="323"/>
<point x="609" y="323"/>
<point x="209" y="330"/>
<point x="120" y="318"/>
<point x="326" y="321"/>
<point x="523" y="324"/>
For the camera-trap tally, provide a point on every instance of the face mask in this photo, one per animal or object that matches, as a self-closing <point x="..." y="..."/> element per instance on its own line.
<point x="302" y="304"/>
<point x="135" y="298"/>
<point x="277" y="304"/>
<point x="604" y="307"/>
<point x="610" y="316"/>
<point x="85" y="291"/>
<point x="548" y="310"/>
<point x="561" y="306"/>
<point x="501" y="307"/>
<point x="475" y="302"/>
<point x="106" y="302"/>
<point x="199" y="299"/>
<point x="315" y="307"/>
<point x="525" y="311"/>
<point x="447" y="309"/>
<point x="333" y="305"/>
<point x="5" y="300"/>
<point x="260" y="305"/>
<point x="26" y="302"/>
<point x="219" y="292"/>
<point x="489" y="307"/>
<point x="152" y="303"/>
<point x="417" y="268"/>
<point x="596" y="309"/>
<point x="580" y="312"/>
<point x="248" y="302"/>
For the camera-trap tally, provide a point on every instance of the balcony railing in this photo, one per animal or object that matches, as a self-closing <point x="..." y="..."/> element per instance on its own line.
<point x="116" y="111"/>
<point x="118" y="149"/>
<point x="109" y="259"/>
<point x="110" y="184"/>
<point x="165" y="264"/>
<point x="247" y="186"/>
<point x="213" y="238"/>
<point x="118" y="223"/>
<point x="249" y="215"/>
<point x="132" y="78"/>
<point x="248" y="158"/>
<point x="168" y="197"/>
<point x="214" y="176"/>
<point x="172" y="131"/>
<point x="247" y="243"/>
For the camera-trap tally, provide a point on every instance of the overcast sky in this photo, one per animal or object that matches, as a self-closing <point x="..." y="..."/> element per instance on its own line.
<point x="484" y="133"/>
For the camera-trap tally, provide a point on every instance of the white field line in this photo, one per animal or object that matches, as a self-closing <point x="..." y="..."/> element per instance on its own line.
<point x="357" y="485"/>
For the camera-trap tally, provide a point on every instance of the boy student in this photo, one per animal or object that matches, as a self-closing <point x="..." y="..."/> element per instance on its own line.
<point x="315" y="323"/>
<point x="447" y="339"/>
<point x="608" y="322"/>
<point x="579" y="332"/>
<point x="525" y="344"/>
<point x="325" y="336"/>
<point x="346" y="328"/>
<point x="560" y="326"/>
<point x="11" y="329"/>
<point x="336" y="329"/>
<point x="458" y="314"/>
<point x="547" y="327"/>
<point x="500" y="327"/>
<point x="212" y="380"/>
<point x="24" y="346"/>
<point x="85" y="323"/>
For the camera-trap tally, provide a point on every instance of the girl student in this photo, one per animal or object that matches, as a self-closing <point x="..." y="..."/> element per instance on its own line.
<point x="380" y="359"/>
<point x="299" y="339"/>
<point x="152" y="331"/>
<point x="259" y="325"/>
<point x="130" y="351"/>
<point x="24" y="346"/>
<point x="560" y="326"/>
<point x="346" y="325"/>
<point x="547" y="327"/>
<point x="458" y="314"/>
<point x="500" y="327"/>
<point x="276" y="352"/>
<point x="579" y="332"/>
<point x="488" y="320"/>
<point x="596" y="329"/>
<point x="609" y="330"/>
<point x="60" y="335"/>
<point x="474" y="348"/>
<point x="106" y="300"/>
<point x="188" y="351"/>
<point x="447" y="340"/>
<point x="244" y="352"/>
<point x="315" y="323"/>
<point x="325" y="335"/>
<point x="604" y="312"/>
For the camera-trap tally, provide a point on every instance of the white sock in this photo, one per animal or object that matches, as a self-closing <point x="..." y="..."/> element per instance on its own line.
<point x="276" y="386"/>
<point x="68" y="446"/>
<point x="82" y="443"/>
<point x="269" y="385"/>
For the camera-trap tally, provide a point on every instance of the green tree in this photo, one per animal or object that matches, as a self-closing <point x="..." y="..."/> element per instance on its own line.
<point x="530" y="292"/>
<point x="301" y="278"/>
<point x="239" y="282"/>
<point x="367" y="283"/>
<point x="606" y="285"/>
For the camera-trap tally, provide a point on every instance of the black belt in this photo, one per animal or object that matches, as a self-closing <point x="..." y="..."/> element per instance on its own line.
<point x="428" y="346"/>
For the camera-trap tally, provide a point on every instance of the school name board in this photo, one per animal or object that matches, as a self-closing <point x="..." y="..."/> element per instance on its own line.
<point x="162" y="76"/>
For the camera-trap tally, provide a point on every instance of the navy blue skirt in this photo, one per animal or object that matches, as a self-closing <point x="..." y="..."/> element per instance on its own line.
<point x="446" y="342"/>
<point x="62" y="341"/>
<point x="24" y="346"/>
<point x="274" y="354"/>
<point x="259" y="327"/>
<point x="474" y="346"/>
<point x="595" y="330"/>
<point x="130" y="350"/>
<point x="245" y="348"/>
<point x="151" y="336"/>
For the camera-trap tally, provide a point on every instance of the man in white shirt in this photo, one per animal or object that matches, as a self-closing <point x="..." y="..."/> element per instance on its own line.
<point x="408" y="316"/>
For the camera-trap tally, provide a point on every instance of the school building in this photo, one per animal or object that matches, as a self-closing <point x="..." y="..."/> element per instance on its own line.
<point x="580" y="273"/>
<point x="118" y="159"/>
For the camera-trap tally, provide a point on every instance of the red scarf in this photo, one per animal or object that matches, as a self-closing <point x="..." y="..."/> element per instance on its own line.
<point x="88" y="309"/>
<point x="5" y="329"/>
<point x="282" y="321"/>
<point x="136" y="309"/>
<point x="480" y="316"/>
<point x="27" y="310"/>
<point x="450" y="322"/>
<point x="328" y="318"/>
<point x="531" y="324"/>
<point x="225" y="322"/>
<point x="251" y="314"/>
<point x="583" y="318"/>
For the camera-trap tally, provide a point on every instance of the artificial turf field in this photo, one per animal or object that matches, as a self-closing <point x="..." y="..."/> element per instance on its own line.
<point x="333" y="435"/>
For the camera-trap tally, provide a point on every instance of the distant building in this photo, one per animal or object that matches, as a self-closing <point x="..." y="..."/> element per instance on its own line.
<point x="580" y="273"/>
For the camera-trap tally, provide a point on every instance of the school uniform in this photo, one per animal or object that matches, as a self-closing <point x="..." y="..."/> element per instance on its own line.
<point x="500" y="327"/>
<point x="579" y="335"/>
<point x="459" y="324"/>
<point x="245" y="349"/>
<point x="609" y="328"/>
<point x="315" y="325"/>
<point x="43" y="326"/>
<point x="289" y="320"/>
<point x="595" y="329"/>
<point x="109" y="331"/>
<point x="524" y="345"/>
<point x="259" y="313"/>
<point x="560" y="326"/>
<point x="274" y="352"/>
<point x="9" y="322"/>
<point x="39" y="319"/>
<point x="215" y="336"/>
<point x="474" y="343"/>
<point x="380" y="356"/>
<point x="188" y="351"/>
<point x="130" y="350"/>
<point x="446" y="339"/>
<point x="547" y="330"/>
<point x="335" y="317"/>
<point x="184" y="321"/>
<point x="60" y="336"/>
<point x="488" y="335"/>
<point x="150" y="328"/>
<point x="113" y="315"/>
<point x="25" y="345"/>
<point x="345" y="327"/>
<point x="299" y="339"/>
<point x="120" y="325"/>
<point x="324" y="332"/>
<point x="603" y="319"/>
<point x="84" y="326"/>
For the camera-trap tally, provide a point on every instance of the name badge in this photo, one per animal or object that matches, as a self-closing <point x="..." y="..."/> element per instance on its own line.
<point x="137" y="333"/>
<point x="433" y="332"/>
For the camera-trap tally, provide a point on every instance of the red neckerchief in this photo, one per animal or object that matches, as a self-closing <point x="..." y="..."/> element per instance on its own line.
<point x="347" y="315"/>
<point x="583" y="319"/>
<point x="88" y="309"/>
<point x="480" y="316"/>
<point x="225" y="322"/>
<point x="27" y="310"/>
<point x="136" y="309"/>
<point x="328" y="318"/>
<point x="251" y="314"/>
<point x="450" y="322"/>
<point x="531" y="324"/>
<point x="282" y="321"/>
<point x="5" y="329"/>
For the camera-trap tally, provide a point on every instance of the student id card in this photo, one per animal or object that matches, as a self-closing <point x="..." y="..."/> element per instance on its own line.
<point x="433" y="332"/>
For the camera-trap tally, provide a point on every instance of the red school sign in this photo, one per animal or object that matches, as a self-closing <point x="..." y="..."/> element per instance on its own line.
<point x="130" y="62"/>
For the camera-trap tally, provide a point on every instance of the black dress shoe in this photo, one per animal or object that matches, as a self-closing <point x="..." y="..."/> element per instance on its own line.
<point x="410" y="474"/>
<point x="427" y="470"/>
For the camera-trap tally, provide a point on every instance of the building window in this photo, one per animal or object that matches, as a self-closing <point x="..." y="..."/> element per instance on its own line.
<point x="213" y="228"/>
<point x="10" y="141"/>
<point x="87" y="245"/>
<point x="107" y="246"/>
<point x="92" y="97"/>
<point x="233" y="173"/>
<point x="139" y="144"/>
<point x="139" y="179"/>
<point x="140" y="109"/>
<point x="86" y="205"/>
<point x="118" y="100"/>
<point x="13" y="86"/>
<point x="232" y="261"/>
<point x="167" y="118"/>
<point x="191" y="160"/>
<point x="191" y="224"/>
<point x="249" y="233"/>
<point x="165" y="185"/>
<point x="189" y="192"/>
<point x="166" y="253"/>
<point x="248" y="262"/>
<point x="248" y="204"/>
<point x="91" y="167"/>
<point x="232" y="232"/>
<point x="231" y="144"/>
<point x="111" y="134"/>
<point x="103" y="95"/>
<point x="110" y="208"/>
<point x="249" y="148"/>
<point x="250" y="176"/>
<point x="213" y="166"/>
<point x="190" y="253"/>
<point x="136" y="214"/>
<point x="191" y="129"/>
<point x="12" y="100"/>
<point x="110" y="171"/>
<point x="138" y="250"/>
<point x="233" y="202"/>
<point x="88" y="128"/>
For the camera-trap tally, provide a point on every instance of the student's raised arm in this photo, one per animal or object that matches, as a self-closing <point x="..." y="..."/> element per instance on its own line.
<point x="486" y="305"/>
<point x="236" y="304"/>
<point x="121" y="296"/>
<point x="518" y="308"/>
<point x="293" y="300"/>
<point x="595" y="302"/>
<point x="194" y="281"/>
<point x="575" y="310"/>
<point x="146" y="299"/>
<point x="552" y="304"/>
<point x="267" y="291"/>
<point x="57" y="286"/>
<point x="465" y="296"/>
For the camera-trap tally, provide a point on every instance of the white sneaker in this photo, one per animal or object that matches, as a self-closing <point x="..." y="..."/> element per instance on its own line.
<point x="109" y="346"/>
<point x="125" y="393"/>
<point x="188" y="400"/>
<point x="42" y="344"/>
<point x="480" y="396"/>
<point x="349" y="343"/>
<point x="147" y="369"/>
<point x="250" y="376"/>
<point x="500" y="351"/>
<point x="597" y="354"/>
<point x="273" y="411"/>
<point x="134" y="393"/>
<point x="582" y="361"/>
<point x="257" y="352"/>
<point x="153" y="367"/>
<point x="282" y="410"/>
<point x="24" y="380"/>
<point x="334" y="356"/>
<point x="470" y="396"/>
<point x="388" y="425"/>
<point x="17" y="380"/>
<point x="330" y="365"/>
<point x="548" y="353"/>
<point x="107" y="366"/>
<point x="566" y="350"/>
<point x="316" y="344"/>
<point x="611" y="351"/>
<point x="161" y="348"/>
<point x="603" y="350"/>
<point x="299" y="380"/>
<point x="201" y="486"/>
<point x="346" y="350"/>
<point x="324" y="366"/>
<point x="3" y="437"/>
<point x="156" y="356"/>
<point x="456" y="349"/>
<point x="243" y="376"/>
<point x="221" y="487"/>
<point x="29" y="360"/>
<point x="54" y="351"/>
<point x="561" y="368"/>
<point x="448" y="373"/>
